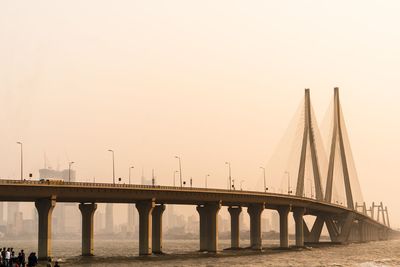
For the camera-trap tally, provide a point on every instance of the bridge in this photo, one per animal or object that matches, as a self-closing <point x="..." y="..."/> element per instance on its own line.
<point x="346" y="221"/>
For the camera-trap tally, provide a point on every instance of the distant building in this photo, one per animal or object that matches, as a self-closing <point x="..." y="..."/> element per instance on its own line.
<point x="192" y="224"/>
<point x="131" y="218"/>
<point x="275" y="221"/>
<point x="223" y="224"/>
<point x="109" y="218"/>
<point x="99" y="219"/>
<point x="265" y="225"/>
<point x="12" y="209"/>
<point x="65" y="175"/>
<point x="16" y="227"/>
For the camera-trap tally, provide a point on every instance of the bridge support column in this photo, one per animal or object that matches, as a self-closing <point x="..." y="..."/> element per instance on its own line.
<point x="209" y="226"/>
<point x="87" y="211"/>
<point x="235" y="230"/>
<point x="145" y="209"/>
<point x="369" y="230"/>
<point x="255" y="212"/>
<point x="298" y="214"/>
<point x="283" y="226"/>
<point x="157" y="228"/>
<point x="203" y="227"/>
<point x="362" y="231"/>
<point x="45" y="208"/>
<point x="212" y="226"/>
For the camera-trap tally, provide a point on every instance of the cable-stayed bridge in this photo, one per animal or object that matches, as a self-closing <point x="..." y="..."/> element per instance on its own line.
<point x="334" y="199"/>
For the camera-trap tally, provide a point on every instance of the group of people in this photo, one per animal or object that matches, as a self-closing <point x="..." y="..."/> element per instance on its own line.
<point x="8" y="258"/>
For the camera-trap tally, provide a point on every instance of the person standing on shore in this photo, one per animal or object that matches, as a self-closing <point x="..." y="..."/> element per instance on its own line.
<point x="32" y="260"/>
<point x="48" y="262"/>
<point x="8" y="257"/>
<point x="21" y="258"/>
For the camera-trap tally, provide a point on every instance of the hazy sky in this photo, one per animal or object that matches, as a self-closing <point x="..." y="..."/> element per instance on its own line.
<point x="211" y="81"/>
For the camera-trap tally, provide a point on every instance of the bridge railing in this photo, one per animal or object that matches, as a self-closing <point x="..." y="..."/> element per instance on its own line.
<point x="133" y="186"/>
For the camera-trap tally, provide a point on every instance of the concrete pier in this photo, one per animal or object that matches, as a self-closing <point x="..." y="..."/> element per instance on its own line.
<point x="157" y="228"/>
<point x="255" y="212"/>
<point x="212" y="226"/>
<point x="298" y="214"/>
<point x="45" y="209"/>
<point x="283" y="226"/>
<point x="209" y="226"/>
<point x="145" y="209"/>
<point x="87" y="211"/>
<point x="235" y="228"/>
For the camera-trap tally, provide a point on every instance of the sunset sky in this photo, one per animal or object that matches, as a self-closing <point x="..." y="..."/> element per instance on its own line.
<point x="210" y="81"/>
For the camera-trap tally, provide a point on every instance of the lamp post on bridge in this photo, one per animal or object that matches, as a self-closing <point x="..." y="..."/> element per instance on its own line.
<point x="180" y="169"/>
<point x="69" y="170"/>
<point x="265" y="182"/>
<point x="131" y="167"/>
<point x="22" y="161"/>
<point x="230" y="175"/>
<point x="113" y="164"/>
<point x="288" y="174"/>
<point x="175" y="172"/>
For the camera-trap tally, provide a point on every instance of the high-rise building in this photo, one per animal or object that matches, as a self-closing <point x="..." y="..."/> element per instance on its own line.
<point x="12" y="209"/>
<point x="275" y="221"/>
<point x="109" y="218"/>
<point x="131" y="218"/>
<point x="72" y="218"/>
<point x="65" y="175"/>
<point x="99" y="221"/>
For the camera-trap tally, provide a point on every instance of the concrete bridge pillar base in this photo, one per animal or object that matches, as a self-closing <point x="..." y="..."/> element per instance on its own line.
<point x="203" y="227"/>
<point x="44" y="208"/>
<point x="255" y="212"/>
<point x="87" y="211"/>
<point x="283" y="226"/>
<point x="235" y="213"/>
<point x="157" y="228"/>
<point x="145" y="209"/>
<point x="298" y="214"/>
<point x="209" y="226"/>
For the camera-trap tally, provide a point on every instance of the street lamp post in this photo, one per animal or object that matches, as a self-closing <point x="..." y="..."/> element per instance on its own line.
<point x="288" y="174"/>
<point x="265" y="182"/>
<point x="113" y="164"/>
<point x="180" y="169"/>
<point x="206" y="179"/>
<point x="131" y="167"/>
<point x="175" y="172"/>
<point x="230" y="175"/>
<point x="22" y="161"/>
<point x="69" y="170"/>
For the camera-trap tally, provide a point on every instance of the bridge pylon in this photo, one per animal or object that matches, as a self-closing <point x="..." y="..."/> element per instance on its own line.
<point x="337" y="139"/>
<point x="309" y="138"/>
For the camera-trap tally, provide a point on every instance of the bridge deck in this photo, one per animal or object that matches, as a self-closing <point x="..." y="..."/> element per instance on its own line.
<point x="80" y="192"/>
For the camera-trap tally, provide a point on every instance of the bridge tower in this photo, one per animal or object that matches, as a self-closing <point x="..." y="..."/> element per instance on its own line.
<point x="309" y="138"/>
<point x="337" y="139"/>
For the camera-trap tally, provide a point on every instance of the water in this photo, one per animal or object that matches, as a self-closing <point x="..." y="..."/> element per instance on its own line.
<point x="112" y="253"/>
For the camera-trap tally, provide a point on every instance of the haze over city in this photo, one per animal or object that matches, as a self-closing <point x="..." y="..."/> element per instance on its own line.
<point x="210" y="82"/>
